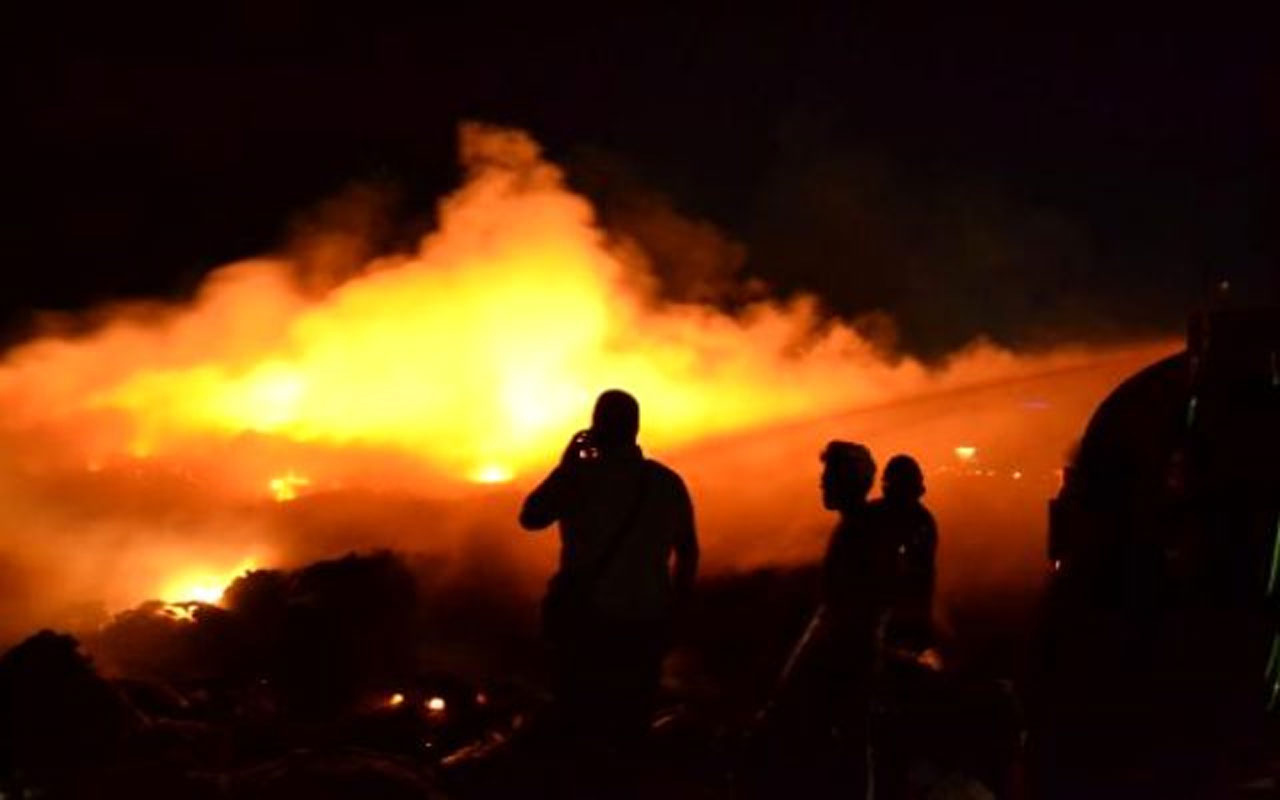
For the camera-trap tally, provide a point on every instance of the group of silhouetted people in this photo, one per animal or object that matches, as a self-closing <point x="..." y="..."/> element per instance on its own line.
<point x="874" y="611"/>
<point x="629" y="556"/>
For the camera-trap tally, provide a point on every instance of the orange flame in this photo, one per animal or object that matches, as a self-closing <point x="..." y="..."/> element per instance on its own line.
<point x="202" y="585"/>
<point x="477" y="354"/>
<point x="469" y="360"/>
<point x="285" y="487"/>
<point x="182" y="612"/>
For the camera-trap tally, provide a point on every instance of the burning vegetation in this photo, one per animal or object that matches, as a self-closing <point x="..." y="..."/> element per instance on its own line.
<point x="181" y="479"/>
<point x="143" y="458"/>
<point x="319" y="658"/>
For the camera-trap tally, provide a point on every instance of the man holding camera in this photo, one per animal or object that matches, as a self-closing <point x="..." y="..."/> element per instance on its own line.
<point x="628" y="557"/>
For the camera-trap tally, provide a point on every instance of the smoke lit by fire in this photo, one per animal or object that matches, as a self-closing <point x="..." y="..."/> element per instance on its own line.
<point x="177" y="446"/>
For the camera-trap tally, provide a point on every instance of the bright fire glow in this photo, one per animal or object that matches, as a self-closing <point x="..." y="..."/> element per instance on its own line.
<point x="435" y="704"/>
<point x="134" y="455"/>
<point x="203" y="585"/>
<point x="396" y="700"/>
<point x="285" y="487"/>
<point x="478" y="354"/>
<point x="182" y="612"/>
<point x="492" y="473"/>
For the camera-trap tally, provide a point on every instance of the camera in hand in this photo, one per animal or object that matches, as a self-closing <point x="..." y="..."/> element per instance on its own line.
<point x="584" y="446"/>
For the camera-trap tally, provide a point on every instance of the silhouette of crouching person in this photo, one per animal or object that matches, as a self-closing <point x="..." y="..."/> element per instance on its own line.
<point x="628" y="557"/>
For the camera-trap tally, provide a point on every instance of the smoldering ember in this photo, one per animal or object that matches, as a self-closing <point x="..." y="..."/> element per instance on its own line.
<point x="997" y="532"/>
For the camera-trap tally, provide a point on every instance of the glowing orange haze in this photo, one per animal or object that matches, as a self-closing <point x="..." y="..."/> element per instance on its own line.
<point x="467" y="362"/>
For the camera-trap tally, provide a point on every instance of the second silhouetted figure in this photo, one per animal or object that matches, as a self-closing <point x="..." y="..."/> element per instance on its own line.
<point x="910" y="532"/>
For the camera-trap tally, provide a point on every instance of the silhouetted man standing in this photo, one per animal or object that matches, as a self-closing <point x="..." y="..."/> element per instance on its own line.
<point x="825" y="687"/>
<point x="623" y="520"/>
<point x="856" y="569"/>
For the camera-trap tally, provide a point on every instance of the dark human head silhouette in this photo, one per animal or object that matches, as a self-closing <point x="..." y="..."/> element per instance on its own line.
<point x="902" y="479"/>
<point x="616" y="419"/>
<point x="847" y="475"/>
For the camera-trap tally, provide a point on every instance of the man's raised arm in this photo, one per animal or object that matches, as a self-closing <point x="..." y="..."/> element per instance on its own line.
<point x="545" y="504"/>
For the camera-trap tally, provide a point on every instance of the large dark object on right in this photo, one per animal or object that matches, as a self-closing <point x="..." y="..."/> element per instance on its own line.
<point x="1161" y="663"/>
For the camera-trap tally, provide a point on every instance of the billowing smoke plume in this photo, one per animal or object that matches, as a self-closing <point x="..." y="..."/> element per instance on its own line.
<point x="300" y="406"/>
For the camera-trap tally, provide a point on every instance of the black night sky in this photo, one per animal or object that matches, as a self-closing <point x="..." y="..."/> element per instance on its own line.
<point x="1081" y="174"/>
